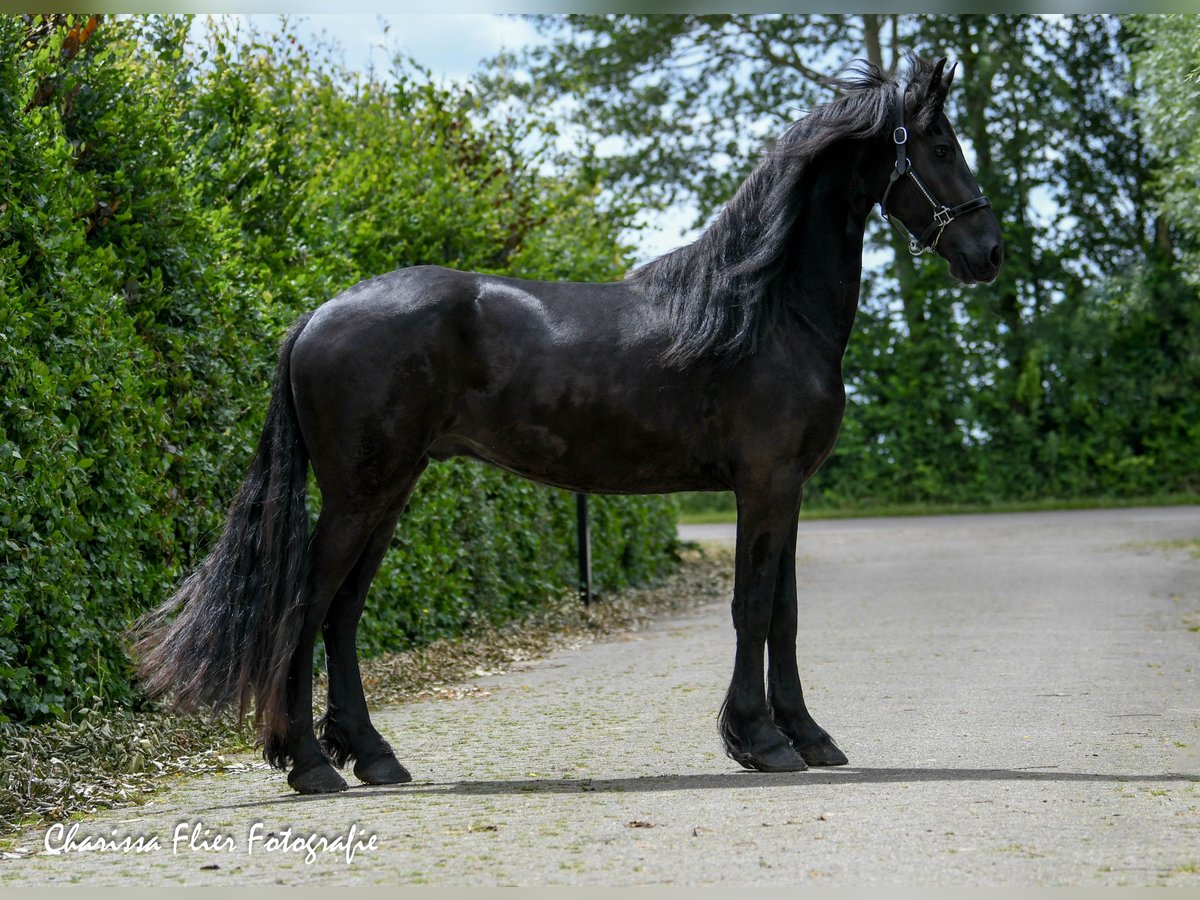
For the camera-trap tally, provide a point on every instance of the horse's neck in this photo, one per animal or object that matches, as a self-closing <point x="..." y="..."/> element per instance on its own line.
<point x="825" y="266"/>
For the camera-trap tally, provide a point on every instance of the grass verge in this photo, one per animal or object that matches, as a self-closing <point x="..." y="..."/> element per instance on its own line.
<point x="705" y="517"/>
<point x="1192" y="545"/>
<point x="102" y="758"/>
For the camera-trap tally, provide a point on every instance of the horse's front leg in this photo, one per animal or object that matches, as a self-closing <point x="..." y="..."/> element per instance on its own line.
<point x="750" y="734"/>
<point x="783" y="677"/>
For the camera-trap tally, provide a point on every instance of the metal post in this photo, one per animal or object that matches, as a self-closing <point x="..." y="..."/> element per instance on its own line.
<point x="584" y="542"/>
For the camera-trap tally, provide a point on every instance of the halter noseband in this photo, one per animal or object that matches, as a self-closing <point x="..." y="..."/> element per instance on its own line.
<point x="942" y="215"/>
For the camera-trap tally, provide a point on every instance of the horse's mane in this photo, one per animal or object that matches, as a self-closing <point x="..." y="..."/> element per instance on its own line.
<point x="721" y="288"/>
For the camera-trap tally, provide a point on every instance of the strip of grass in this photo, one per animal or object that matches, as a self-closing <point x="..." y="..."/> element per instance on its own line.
<point x="101" y="758"/>
<point x="704" y="517"/>
<point x="1192" y="545"/>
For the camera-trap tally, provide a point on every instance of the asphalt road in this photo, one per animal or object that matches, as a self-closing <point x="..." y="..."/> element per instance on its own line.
<point x="1019" y="696"/>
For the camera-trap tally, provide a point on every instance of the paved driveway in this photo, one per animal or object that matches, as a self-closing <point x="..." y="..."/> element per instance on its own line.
<point x="1019" y="696"/>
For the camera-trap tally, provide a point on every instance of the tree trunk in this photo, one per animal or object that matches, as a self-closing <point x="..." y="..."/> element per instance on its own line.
<point x="871" y="35"/>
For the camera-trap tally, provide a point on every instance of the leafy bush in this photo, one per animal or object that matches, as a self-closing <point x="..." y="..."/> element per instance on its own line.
<point x="163" y="217"/>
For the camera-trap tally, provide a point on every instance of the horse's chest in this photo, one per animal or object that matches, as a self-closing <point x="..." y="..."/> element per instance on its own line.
<point x="792" y="420"/>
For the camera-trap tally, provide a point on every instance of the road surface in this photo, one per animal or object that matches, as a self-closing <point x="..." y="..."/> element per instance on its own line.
<point x="1019" y="696"/>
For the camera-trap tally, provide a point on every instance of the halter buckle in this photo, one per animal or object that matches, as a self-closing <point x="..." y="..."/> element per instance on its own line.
<point x="899" y="135"/>
<point x="942" y="216"/>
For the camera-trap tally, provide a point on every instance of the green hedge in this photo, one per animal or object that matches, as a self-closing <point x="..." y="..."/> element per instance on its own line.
<point x="163" y="216"/>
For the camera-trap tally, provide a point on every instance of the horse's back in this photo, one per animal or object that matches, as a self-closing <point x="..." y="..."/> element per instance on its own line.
<point x="412" y="299"/>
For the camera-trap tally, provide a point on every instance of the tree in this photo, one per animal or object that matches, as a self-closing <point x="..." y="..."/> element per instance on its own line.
<point x="1167" y="60"/>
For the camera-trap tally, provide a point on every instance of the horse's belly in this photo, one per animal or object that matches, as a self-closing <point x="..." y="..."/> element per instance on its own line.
<point x="606" y="455"/>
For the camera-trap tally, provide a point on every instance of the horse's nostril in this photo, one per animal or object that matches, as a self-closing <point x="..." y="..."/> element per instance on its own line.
<point x="996" y="256"/>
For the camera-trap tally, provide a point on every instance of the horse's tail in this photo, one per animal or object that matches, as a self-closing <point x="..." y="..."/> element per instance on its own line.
<point x="229" y="631"/>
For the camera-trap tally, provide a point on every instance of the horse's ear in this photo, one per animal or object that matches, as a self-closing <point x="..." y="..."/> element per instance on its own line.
<point x="935" y="77"/>
<point x="948" y="79"/>
<point x="933" y="95"/>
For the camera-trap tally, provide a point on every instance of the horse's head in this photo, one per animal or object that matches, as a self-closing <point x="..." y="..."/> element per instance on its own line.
<point x="931" y="190"/>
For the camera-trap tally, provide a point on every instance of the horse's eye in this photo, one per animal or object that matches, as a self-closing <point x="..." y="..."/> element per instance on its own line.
<point x="941" y="151"/>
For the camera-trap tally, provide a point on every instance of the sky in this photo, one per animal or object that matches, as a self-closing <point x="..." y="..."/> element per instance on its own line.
<point x="452" y="47"/>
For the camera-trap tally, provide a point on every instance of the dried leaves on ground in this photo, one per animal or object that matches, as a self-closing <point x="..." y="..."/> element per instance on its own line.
<point x="100" y="758"/>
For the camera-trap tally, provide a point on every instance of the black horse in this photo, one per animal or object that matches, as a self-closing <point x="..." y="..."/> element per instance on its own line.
<point x="714" y="367"/>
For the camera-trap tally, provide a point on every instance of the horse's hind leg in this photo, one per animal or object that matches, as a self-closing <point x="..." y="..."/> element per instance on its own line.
<point x="783" y="677"/>
<point x="346" y="730"/>
<point x="337" y="544"/>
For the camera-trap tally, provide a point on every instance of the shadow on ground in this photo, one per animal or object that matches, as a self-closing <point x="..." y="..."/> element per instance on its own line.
<point x="847" y="775"/>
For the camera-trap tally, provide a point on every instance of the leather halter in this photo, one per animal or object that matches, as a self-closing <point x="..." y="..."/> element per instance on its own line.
<point x="942" y="215"/>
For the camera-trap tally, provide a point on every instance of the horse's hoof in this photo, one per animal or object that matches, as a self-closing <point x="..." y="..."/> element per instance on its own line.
<point x="319" y="779"/>
<point x="823" y="753"/>
<point x="382" y="770"/>
<point x="782" y="758"/>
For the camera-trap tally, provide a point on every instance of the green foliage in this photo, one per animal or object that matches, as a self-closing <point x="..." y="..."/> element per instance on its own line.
<point x="453" y="563"/>
<point x="163" y="218"/>
<point x="99" y="274"/>
<point x="1167" y="60"/>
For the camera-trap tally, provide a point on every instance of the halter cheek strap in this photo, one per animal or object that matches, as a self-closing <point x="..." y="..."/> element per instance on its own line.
<point x="942" y="215"/>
